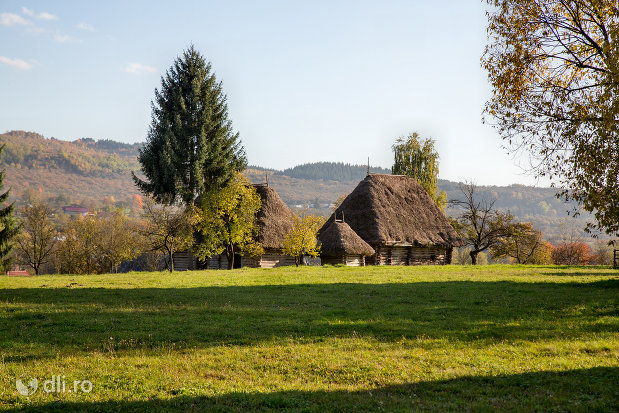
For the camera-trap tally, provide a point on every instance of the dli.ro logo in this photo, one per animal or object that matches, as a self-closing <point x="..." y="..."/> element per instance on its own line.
<point x="57" y="384"/>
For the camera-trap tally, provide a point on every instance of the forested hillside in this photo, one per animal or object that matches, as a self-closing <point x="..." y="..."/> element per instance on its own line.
<point x="83" y="171"/>
<point x="97" y="174"/>
<point x="331" y="171"/>
<point x="85" y="157"/>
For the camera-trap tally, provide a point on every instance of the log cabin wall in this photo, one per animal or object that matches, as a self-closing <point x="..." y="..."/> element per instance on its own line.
<point x="270" y="259"/>
<point x="355" y="260"/>
<point x="401" y="255"/>
<point x="332" y="260"/>
<point x="184" y="261"/>
<point x="349" y="260"/>
<point x="217" y="262"/>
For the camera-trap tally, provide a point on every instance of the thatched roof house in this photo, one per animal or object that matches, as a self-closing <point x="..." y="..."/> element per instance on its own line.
<point x="274" y="218"/>
<point x="396" y="216"/>
<point x="339" y="244"/>
<point x="275" y="221"/>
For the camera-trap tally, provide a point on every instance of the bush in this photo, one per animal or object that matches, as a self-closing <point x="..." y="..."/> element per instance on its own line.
<point x="572" y="253"/>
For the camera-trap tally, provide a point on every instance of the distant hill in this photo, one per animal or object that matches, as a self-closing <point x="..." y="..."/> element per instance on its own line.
<point x="85" y="157"/>
<point x="97" y="172"/>
<point x="331" y="171"/>
<point x="84" y="171"/>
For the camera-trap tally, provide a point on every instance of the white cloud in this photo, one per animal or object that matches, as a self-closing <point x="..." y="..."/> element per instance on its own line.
<point x="10" y="19"/>
<point x="46" y="16"/>
<point x="138" y="68"/>
<point x="41" y="16"/>
<point x="16" y="63"/>
<point x="64" y="38"/>
<point x="86" y="26"/>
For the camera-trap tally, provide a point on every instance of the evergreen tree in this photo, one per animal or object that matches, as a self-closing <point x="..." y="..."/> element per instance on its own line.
<point x="8" y="226"/>
<point x="191" y="147"/>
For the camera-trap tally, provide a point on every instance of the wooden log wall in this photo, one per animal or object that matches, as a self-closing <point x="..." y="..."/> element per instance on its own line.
<point x="349" y="260"/>
<point x="184" y="261"/>
<point x="332" y="260"/>
<point x="398" y="255"/>
<point x="217" y="262"/>
<point x="270" y="259"/>
<point x="355" y="260"/>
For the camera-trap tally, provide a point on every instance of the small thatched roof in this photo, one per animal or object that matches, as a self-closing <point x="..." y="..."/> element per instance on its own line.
<point x="395" y="209"/>
<point x="274" y="218"/>
<point x="339" y="239"/>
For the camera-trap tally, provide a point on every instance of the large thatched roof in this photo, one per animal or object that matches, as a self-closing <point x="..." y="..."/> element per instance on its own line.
<point x="274" y="218"/>
<point x="339" y="239"/>
<point x="385" y="209"/>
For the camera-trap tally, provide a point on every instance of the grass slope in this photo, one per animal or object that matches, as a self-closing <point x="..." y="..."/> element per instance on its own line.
<point x="316" y="339"/>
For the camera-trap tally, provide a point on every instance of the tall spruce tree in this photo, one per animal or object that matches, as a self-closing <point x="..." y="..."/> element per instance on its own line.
<point x="8" y="226"/>
<point x="191" y="147"/>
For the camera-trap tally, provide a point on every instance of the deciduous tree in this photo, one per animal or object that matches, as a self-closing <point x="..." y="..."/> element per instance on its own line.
<point x="227" y="221"/>
<point x="302" y="239"/>
<point x="191" y="147"/>
<point x="572" y="253"/>
<point x="554" y="69"/>
<point x="416" y="157"/>
<point x="77" y="253"/>
<point x="167" y="229"/>
<point x="603" y="252"/>
<point x="480" y="225"/>
<point x="523" y="244"/>
<point x="117" y="241"/>
<point x="94" y="244"/>
<point x="37" y="239"/>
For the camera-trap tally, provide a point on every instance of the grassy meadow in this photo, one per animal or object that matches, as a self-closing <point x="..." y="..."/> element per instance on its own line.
<point x="453" y="338"/>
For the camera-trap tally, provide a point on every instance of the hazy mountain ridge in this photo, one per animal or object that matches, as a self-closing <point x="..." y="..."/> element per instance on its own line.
<point x="86" y="171"/>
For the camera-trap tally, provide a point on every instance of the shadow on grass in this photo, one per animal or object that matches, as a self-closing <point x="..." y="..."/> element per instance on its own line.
<point x="93" y="319"/>
<point x="583" y="390"/>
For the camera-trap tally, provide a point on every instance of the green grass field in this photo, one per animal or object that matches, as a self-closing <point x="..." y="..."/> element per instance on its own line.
<point x="451" y="338"/>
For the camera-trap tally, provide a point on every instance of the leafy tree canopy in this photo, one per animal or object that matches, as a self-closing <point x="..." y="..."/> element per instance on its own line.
<point x="554" y="69"/>
<point x="227" y="222"/>
<point x="191" y="147"/>
<point x="302" y="239"/>
<point x="416" y="157"/>
<point x="168" y="229"/>
<point x="523" y="244"/>
<point x="35" y="243"/>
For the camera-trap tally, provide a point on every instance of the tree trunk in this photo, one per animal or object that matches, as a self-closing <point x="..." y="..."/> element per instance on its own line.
<point x="473" y="255"/>
<point x="171" y="255"/>
<point x="230" y="256"/>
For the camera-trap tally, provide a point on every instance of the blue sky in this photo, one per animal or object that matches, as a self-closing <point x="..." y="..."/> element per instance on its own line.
<point x="306" y="81"/>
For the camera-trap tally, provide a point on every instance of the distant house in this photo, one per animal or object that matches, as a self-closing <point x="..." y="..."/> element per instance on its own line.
<point x="399" y="220"/>
<point x="275" y="221"/>
<point x="185" y="260"/>
<point x="75" y="210"/>
<point x="339" y="244"/>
